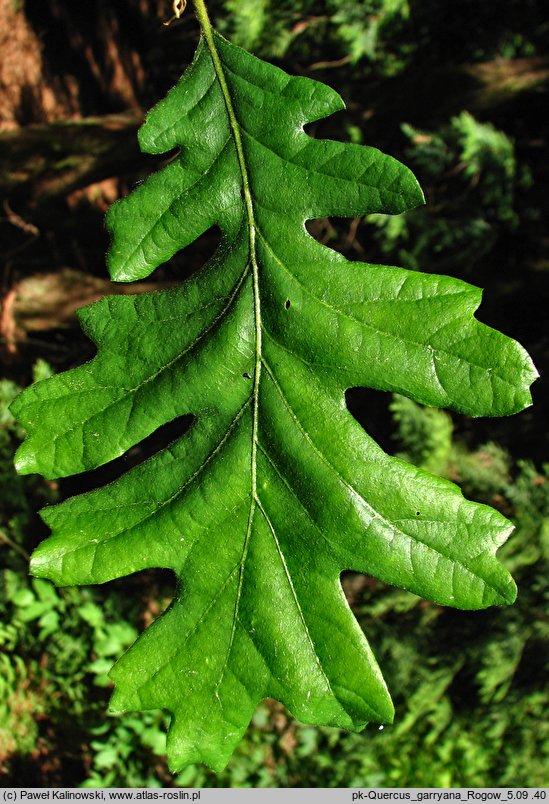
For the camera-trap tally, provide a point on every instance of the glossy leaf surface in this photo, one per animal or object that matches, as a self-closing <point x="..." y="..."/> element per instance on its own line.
<point x="275" y="489"/>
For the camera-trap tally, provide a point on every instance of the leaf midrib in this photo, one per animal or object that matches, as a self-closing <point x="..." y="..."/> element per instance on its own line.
<point x="255" y="501"/>
<point x="208" y="34"/>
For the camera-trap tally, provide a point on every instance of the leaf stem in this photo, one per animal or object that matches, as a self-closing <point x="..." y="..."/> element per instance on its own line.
<point x="208" y="33"/>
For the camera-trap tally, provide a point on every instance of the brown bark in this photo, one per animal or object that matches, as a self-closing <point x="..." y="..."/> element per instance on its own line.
<point x="24" y="92"/>
<point x="60" y="60"/>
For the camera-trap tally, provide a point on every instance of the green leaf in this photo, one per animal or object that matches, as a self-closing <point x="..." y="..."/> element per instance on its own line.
<point x="275" y="489"/>
<point x="23" y="598"/>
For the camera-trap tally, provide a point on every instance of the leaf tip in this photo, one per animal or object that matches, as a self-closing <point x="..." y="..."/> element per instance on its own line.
<point x="120" y="275"/>
<point x="508" y="595"/>
<point x="413" y="193"/>
<point x="40" y="565"/>
<point x="524" y="376"/>
<point x="531" y="375"/>
<point x="385" y="709"/>
<point x="124" y="696"/>
<point x="25" y="460"/>
<point x="500" y="590"/>
<point x="118" y="269"/>
<point x="116" y="704"/>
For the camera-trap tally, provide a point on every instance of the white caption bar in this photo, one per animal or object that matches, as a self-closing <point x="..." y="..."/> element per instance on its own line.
<point x="517" y="795"/>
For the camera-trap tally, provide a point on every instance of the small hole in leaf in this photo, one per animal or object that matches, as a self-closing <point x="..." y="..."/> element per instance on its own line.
<point x="288" y="304"/>
<point x="247" y="376"/>
<point x="417" y="513"/>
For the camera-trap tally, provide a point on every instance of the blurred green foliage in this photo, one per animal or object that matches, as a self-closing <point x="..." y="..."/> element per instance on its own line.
<point x="57" y="645"/>
<point x="471" y="172"/>
<point x="390" y="34"/>
<point x="356" y="30"/>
